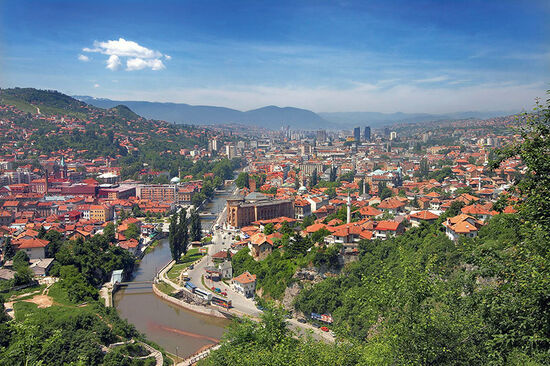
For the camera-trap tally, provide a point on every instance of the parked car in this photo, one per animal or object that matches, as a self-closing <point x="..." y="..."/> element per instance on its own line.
<point x="191" y="266"/>
<point x="223" y="293"/>
<point x="324" y="329"/>
<point x="301" y="320"/>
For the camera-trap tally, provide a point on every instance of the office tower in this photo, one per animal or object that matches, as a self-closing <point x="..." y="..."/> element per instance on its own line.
<point x="357" y="134"/>
<point x="366" y="134"/>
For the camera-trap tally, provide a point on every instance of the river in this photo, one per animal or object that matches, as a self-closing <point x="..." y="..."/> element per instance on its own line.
<point x="177" y="330"/>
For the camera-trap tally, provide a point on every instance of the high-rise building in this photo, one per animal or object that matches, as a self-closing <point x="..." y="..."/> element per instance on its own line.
<point x="366" y="133"/>
<point x="322" y="135"/>
<point x="386" y="132"/>
<point x="393" y="135"/>
<point x="357" y="134"/>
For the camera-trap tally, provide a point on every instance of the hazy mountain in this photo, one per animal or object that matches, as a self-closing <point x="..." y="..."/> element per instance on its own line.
<point x="375" y="119"/>
<point x="270" y="117"/>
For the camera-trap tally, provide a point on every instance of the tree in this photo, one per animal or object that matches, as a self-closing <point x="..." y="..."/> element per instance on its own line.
<point x="296" y="182"/>
<point x="109" y="232"/>
<point x="332" y="176"/>
<point x="132" y="232"/>
<point x="172" y="237"/>
<point x="196" y="228"/>
<point x="9" y="250"/>
<point x="383" y="191"/>
<point x="314" y="179"/>
<point x="242" y="180"/>
<point x="269" y="229"/>
<point x="20" y="259"/>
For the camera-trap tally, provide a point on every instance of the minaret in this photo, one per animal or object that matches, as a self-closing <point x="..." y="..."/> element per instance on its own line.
<point x="349" y="210"/>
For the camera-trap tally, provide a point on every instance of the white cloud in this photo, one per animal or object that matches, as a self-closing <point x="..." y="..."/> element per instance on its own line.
<point x="435" y="79"/>
<point x="137" y="56"/>
<point x="96" y="85"/>
<point x="113" y="63"/>
<point x="139" y="64"/>
<point x="83" y="58"/>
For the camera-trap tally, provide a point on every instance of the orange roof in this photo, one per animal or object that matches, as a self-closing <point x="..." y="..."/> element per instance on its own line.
<point x="315" y="227"/>
<point x="245" y="278"/>
<point x="424" y="215"/>
<point x="31" y="243"/>
<point x="387" y="225"/>
<point x="370" y="211"/>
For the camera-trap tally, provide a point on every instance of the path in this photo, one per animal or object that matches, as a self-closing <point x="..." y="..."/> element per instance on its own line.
<point x="198" y="356"/>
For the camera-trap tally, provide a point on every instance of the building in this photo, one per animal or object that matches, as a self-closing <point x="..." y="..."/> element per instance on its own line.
<point x="157" y="192"/>
<point x="245" y="284"/>
<point x="260" y="246"/>
<point x="117" y="193"/>
<point x="416" y="218"/>
<point x="357" y="134"/>
<point x="462" y="224"/>
<point x="321" y="135"/>
<point x="366" y="133"/>
<point x="393" y="135"/>
<point x="230" y="151"/>
<point x="34" y="248"/>
<point x="101" y="213"/>
<point x="256" y="206"/>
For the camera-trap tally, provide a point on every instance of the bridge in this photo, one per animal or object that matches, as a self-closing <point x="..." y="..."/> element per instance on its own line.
<point x="135" y="283"/>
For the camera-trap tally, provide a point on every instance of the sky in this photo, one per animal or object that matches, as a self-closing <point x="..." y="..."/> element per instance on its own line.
<point x="327" y="56"/>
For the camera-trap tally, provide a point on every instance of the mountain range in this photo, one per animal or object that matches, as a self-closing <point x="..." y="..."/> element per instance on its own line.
<point x="274" y="117"/>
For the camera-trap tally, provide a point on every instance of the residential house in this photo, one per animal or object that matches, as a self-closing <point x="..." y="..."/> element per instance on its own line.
<point x="245" y="284"/>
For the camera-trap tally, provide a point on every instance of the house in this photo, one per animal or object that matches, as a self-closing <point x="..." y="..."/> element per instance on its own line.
<point x="41" y="267"/>
<point x="388" y="228"/>
<point x="416" y="218"/>
<point x="35" y="248"/>
<point x="221" y="256"/>
<point x="226" y="269"/>
<point x="245" y="284"/>
<point x="462" y="224"/>
<point x="6" y="274"/>
<point x="260" y="246"/>
<point x="131" y="245"/>
<point x="392" y="205"/>
<point x="477" y="210"/>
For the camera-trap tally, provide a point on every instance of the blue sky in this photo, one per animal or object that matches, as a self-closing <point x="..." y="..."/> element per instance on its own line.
<point x="384" y="56"/>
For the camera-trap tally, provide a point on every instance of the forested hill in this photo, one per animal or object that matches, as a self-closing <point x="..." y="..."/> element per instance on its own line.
<point x="43" y="122"/>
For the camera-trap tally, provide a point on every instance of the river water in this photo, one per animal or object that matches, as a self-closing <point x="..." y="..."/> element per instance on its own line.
<point x="177" y="330"/>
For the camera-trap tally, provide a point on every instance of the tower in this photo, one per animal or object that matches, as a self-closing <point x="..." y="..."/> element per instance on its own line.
<point x="349" y="210"/>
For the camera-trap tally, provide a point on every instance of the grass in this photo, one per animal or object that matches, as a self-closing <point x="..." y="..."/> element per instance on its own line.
<point x="59" y="295"/>
<point x="152" y="246"/>
<point x="9" y="294"/>
<point x="191" y="256"/>
<point x="19" y="104"/>
<point x="165" y="288"/>
<point x="23" y="309"/>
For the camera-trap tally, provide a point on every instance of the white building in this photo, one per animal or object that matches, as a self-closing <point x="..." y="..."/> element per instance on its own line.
<point x="245" y="284"/>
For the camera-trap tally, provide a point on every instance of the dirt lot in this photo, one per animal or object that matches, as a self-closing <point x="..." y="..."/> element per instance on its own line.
<point x="43" y="301"/>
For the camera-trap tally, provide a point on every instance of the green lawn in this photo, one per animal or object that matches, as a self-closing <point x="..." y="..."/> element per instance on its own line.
<point x="191" y="256"/>
<point x="166" y="288"/>
<point x="9" y="294"/>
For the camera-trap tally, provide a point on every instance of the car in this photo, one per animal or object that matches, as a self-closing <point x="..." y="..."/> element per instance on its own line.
<point x="301" y="320"/>
<point x="213" y="288"/>
<point x="191" y="266"/>
<point x="223" y="293"/>
<point x="324" y="329"/>
<point x="316" y="325"/>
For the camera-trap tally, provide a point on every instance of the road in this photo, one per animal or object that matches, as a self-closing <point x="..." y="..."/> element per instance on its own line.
<point x="221" y="241"/>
